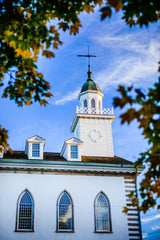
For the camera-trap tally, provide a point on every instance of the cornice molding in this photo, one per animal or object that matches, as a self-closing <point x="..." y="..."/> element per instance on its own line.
<point x="73" y="167"/>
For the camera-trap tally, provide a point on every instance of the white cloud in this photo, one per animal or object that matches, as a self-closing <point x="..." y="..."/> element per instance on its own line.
<point x="138" y="67"/>
<point x="155" y="227"/>
<point x="145" y="235"/>
<point x="127" y="41"/>
<point x="145" y="220"/>
<point x="69" y="97"/>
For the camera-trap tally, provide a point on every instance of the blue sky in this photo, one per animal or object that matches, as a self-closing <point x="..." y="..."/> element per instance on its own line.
<point x="124" y="56"/>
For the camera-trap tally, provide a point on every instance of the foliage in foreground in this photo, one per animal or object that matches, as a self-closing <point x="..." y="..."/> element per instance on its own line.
<point x="146" y="110"/>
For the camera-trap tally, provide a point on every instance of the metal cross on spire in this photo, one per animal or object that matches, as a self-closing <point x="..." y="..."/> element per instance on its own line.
<point x="87" y="55"/>
<point x="89" y="69"/>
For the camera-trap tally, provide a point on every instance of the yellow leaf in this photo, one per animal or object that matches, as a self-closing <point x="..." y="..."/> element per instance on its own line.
<point x="24" y="53"/>
<point x="18" y="51"/>
<point x="28" y="102"/>
<point x="36" y="51"/>
<point x="88" y="8"/>
<point x="29" y="15"/>
<point x="34" y="58"/>
<point x="8" y="33"/>
<point x="40" y="75"/>
<point x="12" y="44"/>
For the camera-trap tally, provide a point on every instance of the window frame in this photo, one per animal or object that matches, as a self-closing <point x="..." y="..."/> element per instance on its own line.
<point x="57" y="217"/>
<point x="95" y="214"/>
<point x="73" y="152"/>
<point x="93" y="103"/>
<point x="93" y="106"/>
<point x="17" y="213"/>
<point x="85" y="104"/>
<point x="35" y="150"/>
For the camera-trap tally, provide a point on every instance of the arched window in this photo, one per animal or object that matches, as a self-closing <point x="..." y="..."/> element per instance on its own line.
<point x="25" y="212"/>
<point x="85" y="103"/>
<point x="65" y="213"/>
<point x="93" y="105"/>
<point x="102" y="214"/>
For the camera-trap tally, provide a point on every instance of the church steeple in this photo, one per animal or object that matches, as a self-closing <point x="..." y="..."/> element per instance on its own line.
<point x="92" y="123"/>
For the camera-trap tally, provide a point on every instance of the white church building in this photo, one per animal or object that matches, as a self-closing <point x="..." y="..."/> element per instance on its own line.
<point x="77" y="194"/>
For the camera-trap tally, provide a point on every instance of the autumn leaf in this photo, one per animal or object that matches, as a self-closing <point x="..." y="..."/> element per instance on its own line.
<point x="8" y="33"/>
<point x="64" y="26"/>
<point x="117" y="4"/>
<point x="43" y="102"/>
<point x="106" y="12"/>
<point x="74" y="29"/>
<point x="24" y="53"/>
<point x="47" y="94"/>
<point x="131" y="22"/>
<point x="29" y="15"/>
<point x="145" y="109"/>
<point x="28" y="102"/>
<point x="48" y="54"/>
<point x="88" y="8"/>
<point x="55" y="45"/>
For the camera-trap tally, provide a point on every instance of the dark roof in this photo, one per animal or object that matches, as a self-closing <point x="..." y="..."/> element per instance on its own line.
<point x="15" y="155"/>
<point x="53" y="156"/>
<point x="21" y="155"/>
<point x="49" y="156"/>
<point x="90" y="85"/>
<point x="109" y="160"/>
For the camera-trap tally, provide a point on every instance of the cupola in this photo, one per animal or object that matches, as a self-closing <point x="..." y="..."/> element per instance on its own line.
<point x="90" y="84"/>
<point x="90" y="95"/>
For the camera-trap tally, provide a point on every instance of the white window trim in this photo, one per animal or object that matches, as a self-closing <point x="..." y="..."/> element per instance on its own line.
<point x="72" y="212"/>
<point x="95" y="215"/>
<point x="32" y="215"/>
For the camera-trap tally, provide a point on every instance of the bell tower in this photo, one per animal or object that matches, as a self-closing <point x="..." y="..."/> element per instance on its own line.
<point x="92" y="122"/>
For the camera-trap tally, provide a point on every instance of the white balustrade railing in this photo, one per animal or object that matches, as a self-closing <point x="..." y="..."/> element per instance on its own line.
<point x="103" y="111"/>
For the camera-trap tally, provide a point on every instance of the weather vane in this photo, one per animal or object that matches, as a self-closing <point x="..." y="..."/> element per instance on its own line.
<point x="87" y="55"/>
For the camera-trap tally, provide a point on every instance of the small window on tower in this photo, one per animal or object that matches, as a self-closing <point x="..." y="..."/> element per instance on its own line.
<point x="74" y="151"/>
<point x="85" y="103"/>
<point x="93" y="104"/>
<point x="35" y="149"/>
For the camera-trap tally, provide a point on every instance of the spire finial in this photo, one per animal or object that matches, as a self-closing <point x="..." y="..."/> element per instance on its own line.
<point x="89" y="73"/>
<point x="89" y="66"/>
